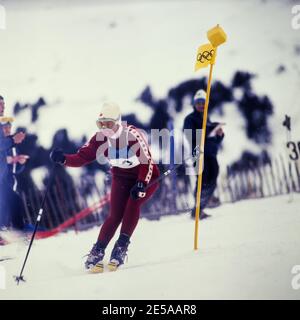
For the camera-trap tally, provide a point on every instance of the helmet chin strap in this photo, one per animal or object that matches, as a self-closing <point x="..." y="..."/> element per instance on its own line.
<point x="117" y="134"/>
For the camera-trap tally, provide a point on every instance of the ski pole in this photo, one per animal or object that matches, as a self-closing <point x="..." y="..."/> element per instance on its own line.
<point x="39" y="217"/>
<point x="194" y="156"/>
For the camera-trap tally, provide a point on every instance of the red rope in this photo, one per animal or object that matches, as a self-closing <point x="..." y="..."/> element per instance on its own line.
<point x="78" y="216"/>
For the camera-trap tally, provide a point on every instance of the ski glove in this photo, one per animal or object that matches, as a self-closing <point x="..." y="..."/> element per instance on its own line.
<point x="138" y="190"/>
<point x="57" y="156"/>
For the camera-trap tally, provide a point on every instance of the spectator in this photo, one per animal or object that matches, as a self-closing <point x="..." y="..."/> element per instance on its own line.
<point x="16" y="162"/>
<point x="214" y="136"/>
<point x="7" y="196"/>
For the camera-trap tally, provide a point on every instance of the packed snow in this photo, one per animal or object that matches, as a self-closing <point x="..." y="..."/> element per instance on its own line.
<point x="246" y="251"/>
<point x="76" y="56"/>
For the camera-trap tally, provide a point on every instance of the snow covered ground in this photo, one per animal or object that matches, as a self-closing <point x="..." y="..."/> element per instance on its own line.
<point x="247" y="251"/>
<point x="78" y="55"/>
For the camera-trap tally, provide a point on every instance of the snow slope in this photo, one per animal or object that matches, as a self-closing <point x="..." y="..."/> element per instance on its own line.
<point x="247" y="251"/>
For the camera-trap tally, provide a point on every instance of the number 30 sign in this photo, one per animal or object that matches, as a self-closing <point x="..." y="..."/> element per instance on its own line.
<point x="294" y="150"/>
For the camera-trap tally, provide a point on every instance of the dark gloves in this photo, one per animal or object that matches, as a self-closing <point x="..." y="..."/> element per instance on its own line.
<point x="57" y="156"/>
<point x="138" y="190"/>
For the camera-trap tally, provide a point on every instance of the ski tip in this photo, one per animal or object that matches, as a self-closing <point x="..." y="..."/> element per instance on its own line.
<point x="2" y="259"/>
<point x="98" y="268"/>
<point x="112" y="266"/>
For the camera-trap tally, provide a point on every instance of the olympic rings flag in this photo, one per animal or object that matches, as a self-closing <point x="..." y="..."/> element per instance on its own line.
<point x="206" y="55"/>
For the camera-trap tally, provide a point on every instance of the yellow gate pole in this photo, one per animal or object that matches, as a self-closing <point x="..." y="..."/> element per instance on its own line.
<point x="206" y="55"/>
<point x="201" y="158"/>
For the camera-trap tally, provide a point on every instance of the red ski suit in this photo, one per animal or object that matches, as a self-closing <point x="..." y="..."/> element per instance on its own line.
<point x="131" y="161"/>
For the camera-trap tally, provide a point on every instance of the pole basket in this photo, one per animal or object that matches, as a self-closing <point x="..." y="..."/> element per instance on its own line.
<point x="19" y="278"/>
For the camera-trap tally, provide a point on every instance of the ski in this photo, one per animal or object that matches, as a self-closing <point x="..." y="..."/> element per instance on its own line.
<point x="6" y="258"/>
<point x="112" y="266"/>
<point x="98" y="268"/>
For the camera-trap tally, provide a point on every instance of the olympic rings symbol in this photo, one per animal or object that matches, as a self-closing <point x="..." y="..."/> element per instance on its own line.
<point x="205" y="56"/>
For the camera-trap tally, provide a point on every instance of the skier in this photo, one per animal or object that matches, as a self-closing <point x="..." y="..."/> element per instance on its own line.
<point x="132" y="169"/>
<point x="213" y="139"/>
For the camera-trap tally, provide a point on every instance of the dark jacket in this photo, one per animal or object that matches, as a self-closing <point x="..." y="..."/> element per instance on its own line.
<point x="194" y="121"/>
<point x="6" y="143"/>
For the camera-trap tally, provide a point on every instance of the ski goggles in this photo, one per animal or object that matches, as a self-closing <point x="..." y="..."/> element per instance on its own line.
<point x="105" y="123"/>
<point x="199" y="101"/>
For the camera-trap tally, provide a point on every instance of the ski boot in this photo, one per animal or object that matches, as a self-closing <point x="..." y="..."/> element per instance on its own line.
<point x="94" y="261"/>
<point x="203" y="215"/>
<point x="119" y="253"/>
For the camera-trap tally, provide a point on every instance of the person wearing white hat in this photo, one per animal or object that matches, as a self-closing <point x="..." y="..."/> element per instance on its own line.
<point x="132" y="169"/>
<point x="213" y="139"/>
<point x="199" y="100"/>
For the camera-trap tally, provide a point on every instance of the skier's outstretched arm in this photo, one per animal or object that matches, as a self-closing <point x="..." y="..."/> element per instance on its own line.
<point x="85" y="155"/>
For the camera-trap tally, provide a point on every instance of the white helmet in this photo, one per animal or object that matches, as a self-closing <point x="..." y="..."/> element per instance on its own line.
<point x="110" y="111"/>
<point x="200" y="95"/>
